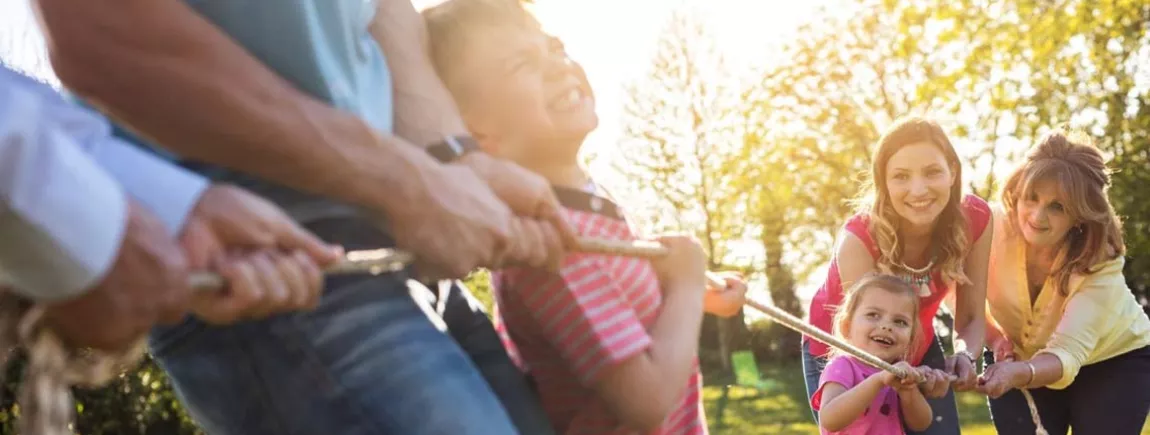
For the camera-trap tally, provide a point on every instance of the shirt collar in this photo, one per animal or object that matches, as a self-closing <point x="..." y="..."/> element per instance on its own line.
<point x="576" y="199"/>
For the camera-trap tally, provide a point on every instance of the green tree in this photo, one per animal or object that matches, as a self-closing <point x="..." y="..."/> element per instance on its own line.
<point x="679" y="151"/>
<point x="810" y="124"/>
<point x="1085" y="64"/>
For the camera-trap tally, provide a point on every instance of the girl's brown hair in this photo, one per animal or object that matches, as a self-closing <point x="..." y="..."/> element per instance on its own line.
<point x="949" y="240"/>
<point x="853" y="296"/>
<point x="1079" y="170"/>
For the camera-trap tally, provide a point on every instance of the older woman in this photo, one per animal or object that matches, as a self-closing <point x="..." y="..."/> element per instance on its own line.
<point x="1063" y="322"/>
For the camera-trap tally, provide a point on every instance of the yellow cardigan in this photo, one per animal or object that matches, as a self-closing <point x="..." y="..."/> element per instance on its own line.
<point x="1100" y="319"/>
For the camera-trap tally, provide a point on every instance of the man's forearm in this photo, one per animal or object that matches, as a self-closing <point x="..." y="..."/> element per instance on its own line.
<point x="161" y="68"/>
<point x="425" y="111"/>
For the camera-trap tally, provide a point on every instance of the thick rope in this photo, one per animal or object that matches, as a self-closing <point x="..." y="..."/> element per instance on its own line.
<point x="1033" y="407"/>
<point x="46" y="405"/>
<point x="786" y="319"/>
<point x="45" y="398"/>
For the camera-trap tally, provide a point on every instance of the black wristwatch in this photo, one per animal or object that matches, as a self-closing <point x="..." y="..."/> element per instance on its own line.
<point x="451" y="148"/>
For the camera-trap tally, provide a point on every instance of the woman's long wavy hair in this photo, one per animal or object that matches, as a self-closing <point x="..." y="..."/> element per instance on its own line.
<point x="949" y="240"/>
<point x="1079" y="170"/>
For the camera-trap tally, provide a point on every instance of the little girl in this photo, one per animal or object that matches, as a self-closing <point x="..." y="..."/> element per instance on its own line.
<point x="878" y="315"/>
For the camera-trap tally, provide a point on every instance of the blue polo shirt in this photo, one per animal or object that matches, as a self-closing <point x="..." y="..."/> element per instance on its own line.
<point x="324" y="48"/>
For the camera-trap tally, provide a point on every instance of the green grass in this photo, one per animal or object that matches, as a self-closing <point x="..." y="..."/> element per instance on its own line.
<point x="781" y="409"/>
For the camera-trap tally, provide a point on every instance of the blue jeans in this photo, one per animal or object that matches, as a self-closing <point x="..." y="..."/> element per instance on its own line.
<point x="374" y="358"/>
<point x="945" y="408"/>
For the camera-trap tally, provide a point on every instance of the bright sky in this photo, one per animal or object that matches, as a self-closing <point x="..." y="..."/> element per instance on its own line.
<point x="613" y="39"/>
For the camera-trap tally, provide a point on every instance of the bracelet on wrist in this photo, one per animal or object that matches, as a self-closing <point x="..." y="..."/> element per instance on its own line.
<point x="969" y="356"/>
<point x="1029" y="380"/>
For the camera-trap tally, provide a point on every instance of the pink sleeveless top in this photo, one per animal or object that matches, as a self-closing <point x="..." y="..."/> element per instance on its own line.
<point x="830" y="295"/>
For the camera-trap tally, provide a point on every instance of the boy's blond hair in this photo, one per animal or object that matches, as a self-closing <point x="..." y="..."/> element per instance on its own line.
<point x="452" y="23"/>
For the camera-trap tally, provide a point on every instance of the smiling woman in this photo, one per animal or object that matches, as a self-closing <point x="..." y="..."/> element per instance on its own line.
<point x="1064" y="323"/>
<point x="915" y="222"/>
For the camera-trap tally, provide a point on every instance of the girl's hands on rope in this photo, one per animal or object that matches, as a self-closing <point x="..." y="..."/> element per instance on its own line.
<point x="907" y="383"/>
<point x="932" y="379"/>
<point x="728" y="300"/>
<point x="937" y="382"/>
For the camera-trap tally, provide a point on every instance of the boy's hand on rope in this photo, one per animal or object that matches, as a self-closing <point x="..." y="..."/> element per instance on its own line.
<point x="728" y="300"/>
<point x="684" y="266"/>
<point x="146" y="284"/>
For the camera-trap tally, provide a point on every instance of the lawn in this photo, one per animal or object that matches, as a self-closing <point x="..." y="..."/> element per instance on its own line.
<point x="780" y="409"/>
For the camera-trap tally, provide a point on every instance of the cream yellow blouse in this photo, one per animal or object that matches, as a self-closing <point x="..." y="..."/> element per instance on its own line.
<point x="1100" y="319"/>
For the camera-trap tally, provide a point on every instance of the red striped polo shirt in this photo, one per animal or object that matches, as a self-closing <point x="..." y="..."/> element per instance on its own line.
<point x="567" y="327"/>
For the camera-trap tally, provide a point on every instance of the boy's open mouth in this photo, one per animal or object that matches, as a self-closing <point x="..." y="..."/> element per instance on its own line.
<point x="567" y="100"/>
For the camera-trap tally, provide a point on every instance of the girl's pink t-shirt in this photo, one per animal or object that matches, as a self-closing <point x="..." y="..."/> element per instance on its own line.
<point x="882" y="417"/>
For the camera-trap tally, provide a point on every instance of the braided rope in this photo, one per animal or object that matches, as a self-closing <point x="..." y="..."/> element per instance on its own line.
<point x="45" y="398"/>
<point x="1030" y="403"/>
<point x="792" y="322"/>
<point x="1039" y="429"/>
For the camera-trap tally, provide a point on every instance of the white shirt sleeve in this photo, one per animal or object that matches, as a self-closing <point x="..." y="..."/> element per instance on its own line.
<point x="62" y="215"/>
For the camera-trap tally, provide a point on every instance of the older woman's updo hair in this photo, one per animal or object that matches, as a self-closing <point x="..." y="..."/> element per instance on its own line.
<point x="1079" y="171"/>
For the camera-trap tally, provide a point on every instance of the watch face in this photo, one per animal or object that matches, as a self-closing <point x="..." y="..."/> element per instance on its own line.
<point x="452" y="147"/>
